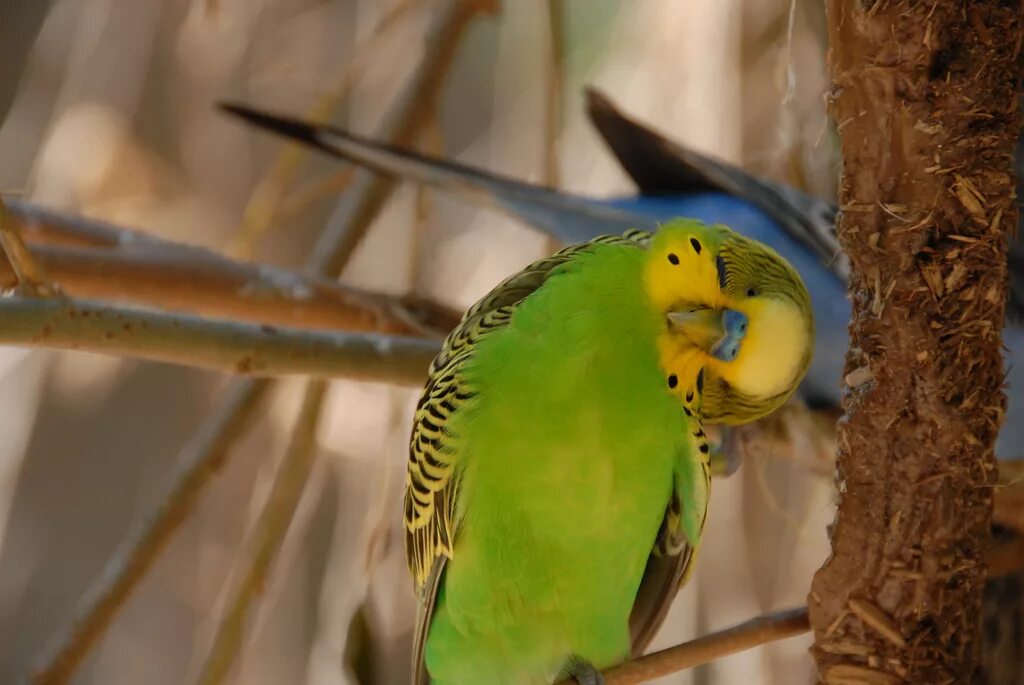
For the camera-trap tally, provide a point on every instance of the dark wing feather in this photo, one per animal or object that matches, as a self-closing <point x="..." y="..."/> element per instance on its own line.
<point x="660" y="166"/>
<point x="672" y="558"/>
<point x="432" y="478"/>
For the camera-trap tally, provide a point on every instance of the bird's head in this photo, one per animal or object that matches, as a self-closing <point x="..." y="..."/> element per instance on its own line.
<point x="739" y="328"/>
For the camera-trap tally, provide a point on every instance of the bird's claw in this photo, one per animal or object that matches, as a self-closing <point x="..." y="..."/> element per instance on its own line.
<point x="584" y="674"/>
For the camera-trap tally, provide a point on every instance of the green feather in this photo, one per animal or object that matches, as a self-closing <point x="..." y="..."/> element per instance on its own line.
<point x="568" y="455"/>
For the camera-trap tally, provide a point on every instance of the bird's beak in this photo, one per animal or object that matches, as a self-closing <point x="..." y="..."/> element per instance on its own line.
<point x="718" y="332"/>
<point x="702" y="326"/>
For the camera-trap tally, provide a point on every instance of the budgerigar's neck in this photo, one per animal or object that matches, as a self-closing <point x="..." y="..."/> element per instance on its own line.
<point x="597" y="311"/>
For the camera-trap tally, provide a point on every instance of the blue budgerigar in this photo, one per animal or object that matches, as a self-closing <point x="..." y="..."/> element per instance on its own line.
<point x="674" y="181"/>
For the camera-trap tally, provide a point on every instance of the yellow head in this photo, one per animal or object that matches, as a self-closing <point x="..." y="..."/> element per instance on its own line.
<point x="739" y="328"/>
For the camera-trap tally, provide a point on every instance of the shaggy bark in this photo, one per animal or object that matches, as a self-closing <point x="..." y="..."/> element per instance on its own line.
<point x="925" y="99"/>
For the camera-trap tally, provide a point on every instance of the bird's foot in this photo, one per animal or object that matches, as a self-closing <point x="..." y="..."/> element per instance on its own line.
<point x="727" y="456"/>
<point x="583" y="673"/>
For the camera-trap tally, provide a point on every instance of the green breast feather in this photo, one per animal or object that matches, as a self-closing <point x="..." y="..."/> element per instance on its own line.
<point x="437" y="525"/>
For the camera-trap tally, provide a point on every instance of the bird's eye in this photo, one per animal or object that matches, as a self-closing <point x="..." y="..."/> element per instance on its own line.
<point x="751" y="292"/>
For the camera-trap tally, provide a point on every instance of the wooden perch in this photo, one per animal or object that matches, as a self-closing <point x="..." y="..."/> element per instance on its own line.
<point x="1003" y="559"/>
<point x="29" y="276"/>
<point x="361" y="205"/>
<point x="249" y="349"/>
<point x="925" y="96"/>
<point x="98" y="261"/>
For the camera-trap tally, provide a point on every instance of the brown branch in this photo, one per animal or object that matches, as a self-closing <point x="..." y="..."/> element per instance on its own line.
<point x="1003" y="559"/>
<point x="927" y="99"/>
<point x="268" y="533"/>
<point x="360" y="206"/>
<point x="262" y="209"/>
<point x="758" y="631"/>
<point x="228" y="346"/>
<point x="201" y="460"/>
<point x="369" y="192"/>
<point x="29" y="276"/>
<point x="194" y="280"/>
<point x="43" y="226"/>
<point x="316" y="189"/>
<point x="555" y="82"/>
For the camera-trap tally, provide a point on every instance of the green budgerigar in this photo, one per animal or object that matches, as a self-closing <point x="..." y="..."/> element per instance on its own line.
<point x="559" y="473"/>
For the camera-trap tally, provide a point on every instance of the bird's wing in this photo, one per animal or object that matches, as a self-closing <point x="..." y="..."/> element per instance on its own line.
<point x="660" y="166"/>
<point x="432" y="478"/>
<point x="568" y="218"/>
<point x="678" y="540"/>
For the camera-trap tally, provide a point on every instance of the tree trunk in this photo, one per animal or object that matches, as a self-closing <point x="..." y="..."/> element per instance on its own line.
<point x="925" y="98"/>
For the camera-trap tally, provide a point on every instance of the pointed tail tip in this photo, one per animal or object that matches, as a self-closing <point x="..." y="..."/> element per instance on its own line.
<point x="286" y="126"/>
<point x="597" y="101"/>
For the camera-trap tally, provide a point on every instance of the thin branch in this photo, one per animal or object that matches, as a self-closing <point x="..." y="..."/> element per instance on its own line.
<point x="31" y="278"/>
<point x="555" y="77"/>
<point x="758" y="631"/>
<point x="432" y="143"/>
<point x="195" y="280"/>
<point x="96" y="260"/>
<point x="330" y="256"/>
<point x="228" y="346"/>
<point x="305" y="195"/>
<point x="268" y="533"/>
<point x="369" y="192"/>
<point x="50" y="227"/>
<point x="1003" y="559"/>
<point x="201" y="460"/>
<point x="263" y="205"/>
<point x="555" y="83"/>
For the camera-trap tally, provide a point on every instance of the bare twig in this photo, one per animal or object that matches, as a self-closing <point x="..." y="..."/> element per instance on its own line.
<point x="229" y="346"/>
<point x="268" y="533"/>
<point x="369" y="192"/>
<point x="331" y="254"/>
<point x="195" y="280"/>
<point x="555" y="83"/>
<point x="305" y="195"/>
<point x="201" y="460"/>
<point x="50" y="227"/>
<point x="1003" y="559"/>
<point x="263" y="205"/>
<point x="768" y="628"/>
<point x="555" y="77"/>
<point x="95" y="260"/>
<point x="31" y="279"/>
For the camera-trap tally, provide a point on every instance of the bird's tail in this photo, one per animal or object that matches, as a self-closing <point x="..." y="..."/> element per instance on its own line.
<point x="660" y="166"/>
<point x="568" y="218"/>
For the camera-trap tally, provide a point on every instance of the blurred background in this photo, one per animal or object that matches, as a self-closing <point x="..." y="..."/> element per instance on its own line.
<point x="107" y="110"/>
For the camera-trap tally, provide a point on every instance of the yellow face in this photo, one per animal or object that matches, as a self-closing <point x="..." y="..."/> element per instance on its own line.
<point x="739" y="326"/>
